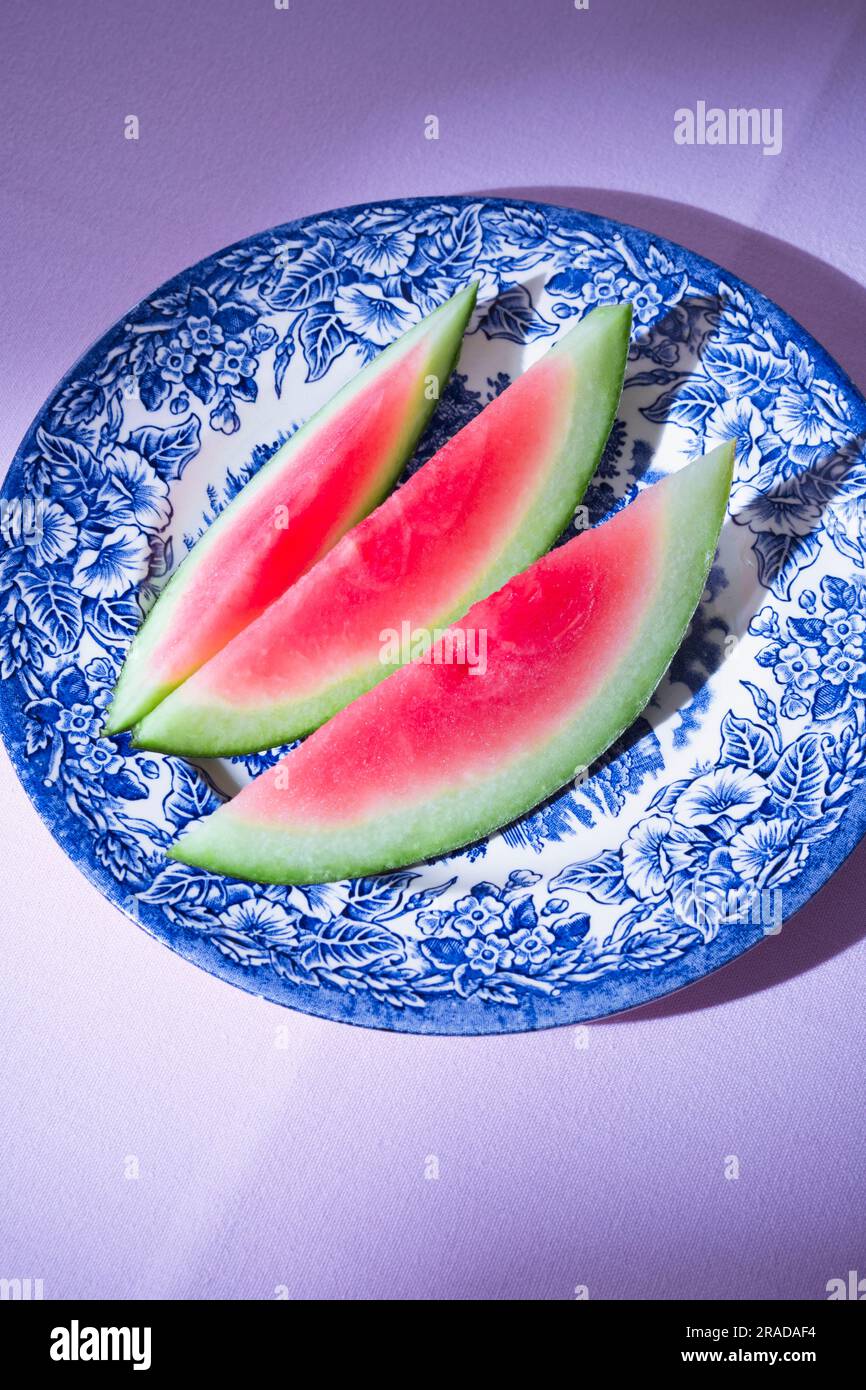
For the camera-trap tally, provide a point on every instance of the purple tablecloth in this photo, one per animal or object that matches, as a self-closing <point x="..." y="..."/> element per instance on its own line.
<point x="278" y="1152"/>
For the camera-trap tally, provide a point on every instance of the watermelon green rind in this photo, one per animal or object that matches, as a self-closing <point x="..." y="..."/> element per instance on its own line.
<point x="432" y="348"/>
<point x="238" y="841"/>
<point x="205" y="717"/>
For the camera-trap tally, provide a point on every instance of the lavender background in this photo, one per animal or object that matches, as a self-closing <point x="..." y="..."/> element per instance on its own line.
<point x="278" y="1150"/>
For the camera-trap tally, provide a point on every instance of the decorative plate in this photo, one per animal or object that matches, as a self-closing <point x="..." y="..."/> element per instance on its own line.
<point x="730" y="802"/>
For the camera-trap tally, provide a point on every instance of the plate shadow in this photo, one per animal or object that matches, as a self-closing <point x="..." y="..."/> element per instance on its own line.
<point x="832" y="307"/>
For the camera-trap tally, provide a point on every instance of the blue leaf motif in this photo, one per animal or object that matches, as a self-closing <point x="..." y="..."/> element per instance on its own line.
<point x="168" y="450"/>
<point x="838" y="593"/>
<point x="800" y="360"/>
<point x="571" y="931"/>
<point x="782" y="557"/>
<point x="458" y="246"/>
<point x="202" y="383"/>
<point x="512" y="316"/>
<point x="797" y="782"/>
<point x="689" y="405"/>
<point x="666" y="798"/>
<point x="153" y="388"/>
<point x="601" y="878"/>
<point x="445" y="952"/>
<point x="743" y="371"/>
<point x="190" y="795"/>
<point x="810" y="631"/>
<point x="354" y="944"/>
<point x="567" y="282"/>
<point x="68" y="453"/>
<point x="310" y="280"/>
<point x="829" y="699"/>
<point x="521" y="914"/>
<point x="323" y="338"/>
<point x="246" y="389"/>
<point x="763" y="704"/>
<point x="193" y="895"/>
<point x="518" y="226"/>
<point x="73" y="468"/>
<point x="55" y="607"/>
<point x="746" y="744"/>
<point x="113" y="621"/>
<point x="376" y="898"/>
<point x="235" y="318"/>
<point x="180" y="886"/>
<point x="113" y="420"/>
<point x="125" y="786"/>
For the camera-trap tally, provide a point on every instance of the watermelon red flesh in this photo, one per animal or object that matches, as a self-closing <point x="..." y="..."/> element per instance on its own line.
<point x="436" y="756"/>
<point x="492" y="500"/>
<point x="330" y="473"/>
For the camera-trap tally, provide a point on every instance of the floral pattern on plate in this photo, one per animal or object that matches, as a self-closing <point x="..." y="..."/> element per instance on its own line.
<point x="731" y="799"/>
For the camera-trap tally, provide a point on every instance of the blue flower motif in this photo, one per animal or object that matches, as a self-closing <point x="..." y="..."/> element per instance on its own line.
<point x="369" y="312"/>
<point x="786" y="510"/>
<point x="606" y="287"/>
<point x="554" y="906"/>
<point x="729" y="792"/>
<point x="798" y="417"/>
<point x="100" y="759"/>
<point x="798" y="666"/>
<point x="80" y="722"/>
<point x="741" y="420"/>
<point x="114" y="565"/>
<point x="473" y="915"/>
<point x="489" y="955"/>
<point x="232" y="362"/>
<point x="256" y="914"/>
<point x="200" y="335"/>
<point x="645" y="300"/>
<point x="100" y="672"/>
<point x="651" y="852"/>
<point x="843" y="665"/>
<point x="263" y="336"/>
<point x="53" y="536"/>
<point x="761" y="852"/>
<point x="174" y="361"/>
<point x="765" y="623"/>
<point x="134" y="492"/>
<point x="381" y="252"/>
<point x="522" y="878"/>
<point x="532" y="945"/>
<point x="842" y="629"/>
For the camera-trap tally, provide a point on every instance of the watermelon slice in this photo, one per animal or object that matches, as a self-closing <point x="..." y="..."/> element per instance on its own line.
<point x="492" y="500"/>
<point x="323" y="480"/>
<point x="438" y="755"/>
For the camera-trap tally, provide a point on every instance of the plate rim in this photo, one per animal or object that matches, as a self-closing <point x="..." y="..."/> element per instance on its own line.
<point x="473" y="1019"/>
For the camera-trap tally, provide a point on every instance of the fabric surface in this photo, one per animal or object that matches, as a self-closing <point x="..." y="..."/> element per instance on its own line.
<point x="165" y="1135"/>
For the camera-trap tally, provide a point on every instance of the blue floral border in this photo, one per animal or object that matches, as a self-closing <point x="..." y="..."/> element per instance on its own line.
<point x="454" y="1013"/>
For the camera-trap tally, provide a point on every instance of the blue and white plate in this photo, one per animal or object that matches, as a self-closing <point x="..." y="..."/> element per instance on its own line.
<point x="731" y="800"/>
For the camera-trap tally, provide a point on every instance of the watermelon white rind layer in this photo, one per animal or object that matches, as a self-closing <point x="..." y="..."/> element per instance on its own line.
<point x="434" y="757"/>
<point x="493" y="499"/>
<point x="320" y="483"/>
